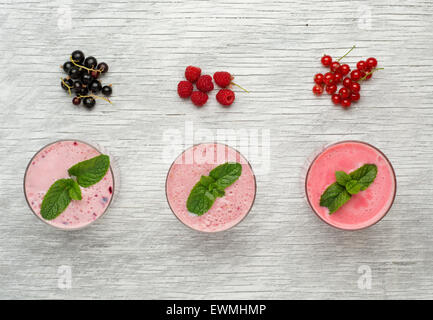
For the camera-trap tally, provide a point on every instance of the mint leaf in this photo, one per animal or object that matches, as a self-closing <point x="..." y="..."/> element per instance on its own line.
<point x="342" y="177"/>
<point x="200" y="200"/>
<point x="334" y="197"/>
<point x="226" y="174"/>
<point x="90" y="172"/>
<point x="365" y="175"/>
<point x="353" y="187"/>
<point x="205" y="192"/>
<point x="75" y="191"/>
<point x="57" y="199"/>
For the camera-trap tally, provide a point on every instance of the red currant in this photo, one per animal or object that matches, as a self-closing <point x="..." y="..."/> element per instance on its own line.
<point x="361" y="65"/>
<point x="355" y="87"/>
<point x="371" y="62"/>
<point x="355" y="75"/>
<point x="331" y="89"/>
<point x="328" y="78"/>
<point x="368" y="70"/>
<point x="344" y="93"/>
<point x="345" y="103"/>
<point x="347" y="82"/>
<point x="344" y="69"/>
<point x="336" y="98"/>
<point x="326" y="60"/>
<point x="317" y="90"/>
<point x="334" y="66"/>
<point x="338" y="77"/>
<point x="318" y="78"/>
<point x="354" y="96"/>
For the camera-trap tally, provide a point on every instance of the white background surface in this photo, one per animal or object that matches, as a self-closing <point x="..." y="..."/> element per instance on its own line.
<point x="281" y="250"/>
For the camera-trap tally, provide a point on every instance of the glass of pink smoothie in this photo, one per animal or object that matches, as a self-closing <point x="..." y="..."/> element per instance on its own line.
<point x="363" y="209"/>
<point x="52" y="163"/>
<point x="226" y="211"/>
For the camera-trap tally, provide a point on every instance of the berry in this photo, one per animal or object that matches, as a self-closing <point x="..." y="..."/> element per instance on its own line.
<point x="107" y="90"/>
<point x="344" y="93"/>
<point x="95" y="74"/>
<point x="345" y="103"/>
<point x="192" y="73"/>
<point x="77" y="56"/>
<point x="317" y="90"/>
<point x="199" y="98"/>
<point x="76" y="101"/>
<point x="95" y="86"/>
<point x="337" y="77"/>
<point x="103" y="67"/>
<point x="334" y="66"/>
<point x="355" y="87"/>
<point x="89" y="102"/>
<point x="355" y="75"/>
<point x="361" y="65"/>
<point x="184" y="89"/>
<point x="77" y="86"/>
<point x="372" y="62"/>
<point x="67" y="66"/>
<point x="368" y="70"/>
<point x="75" y="73"/>
<point x="90" y="62"/>
<point x="347" y="82"/>
<point x="331" y="89"/>
<point x="86" y="78"/>
<point x="326" y="60"/>
<point x="84" y="91"/>
<point x="68" y="82"/>
<point x="222" y="78"/>
<point x="344" y="69"/>
<point x="225" y="97"/>
<point x="328" y="78"/>
<point x="318" y="78"/>
<point x="354" y="96"/>
<point x="204" y="83"/>
<point x="336" y="98"/>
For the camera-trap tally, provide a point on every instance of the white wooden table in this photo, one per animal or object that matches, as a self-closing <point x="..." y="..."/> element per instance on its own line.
<point x="281" y="250"/>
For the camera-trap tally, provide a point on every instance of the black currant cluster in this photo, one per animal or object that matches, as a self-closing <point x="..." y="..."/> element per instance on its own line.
<point x="82" y="79"/>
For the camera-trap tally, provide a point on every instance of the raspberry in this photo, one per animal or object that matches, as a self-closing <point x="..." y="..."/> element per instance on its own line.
<point x="184" y="89"/>
<point x="204" y="83"/>
<point x="192" y="73"/>
<point x="199" y="98"/>
<point x="222" y="78"/>
<point x="225" y="96"/>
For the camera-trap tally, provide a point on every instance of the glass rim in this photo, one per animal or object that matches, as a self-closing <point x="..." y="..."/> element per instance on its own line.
<point x="42" y="219"/>
<point x="252" y="203"/>
<point x="369" y="145"/>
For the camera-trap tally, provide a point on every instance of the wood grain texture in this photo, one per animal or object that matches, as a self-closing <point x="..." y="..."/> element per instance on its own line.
<point x="281" y="250"/>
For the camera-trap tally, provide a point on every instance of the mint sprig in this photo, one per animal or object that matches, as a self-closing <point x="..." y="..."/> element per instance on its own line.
<point x="205" y="192"/>
<point x="61" y="192"/>
<point x="346" y="185"/>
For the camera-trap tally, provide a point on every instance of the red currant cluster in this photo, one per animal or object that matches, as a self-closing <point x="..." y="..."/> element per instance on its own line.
<point x="341" y="73"/>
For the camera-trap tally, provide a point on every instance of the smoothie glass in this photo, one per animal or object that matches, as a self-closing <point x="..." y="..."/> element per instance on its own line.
<point x="52" y="163"/>
<point x="363" y="209"/>
<point x="226" y="211"/>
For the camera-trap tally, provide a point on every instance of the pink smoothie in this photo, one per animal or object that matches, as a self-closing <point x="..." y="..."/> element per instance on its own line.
<point x="52" y="163"/>
<point x="186" y="171"/>
<point x="364" y="208"/>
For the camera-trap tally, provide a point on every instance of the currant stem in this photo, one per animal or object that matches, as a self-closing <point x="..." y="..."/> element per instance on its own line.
<point x="338" y="60"/>
<point x="78" y="65"/>
<point x="69" y="88"/>
<point x="240" y="87"/>
<point x="371" y="72"/>
<point x="95" y="96"/>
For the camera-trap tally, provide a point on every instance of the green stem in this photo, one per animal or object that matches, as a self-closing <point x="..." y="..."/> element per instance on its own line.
<point x="346" y="53"/>
<point x="371" y="72"/>
<point x="240" y="87"/>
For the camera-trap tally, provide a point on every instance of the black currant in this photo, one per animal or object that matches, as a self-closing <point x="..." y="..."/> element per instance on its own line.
<point x="78" y="86"/>
<point x="78" y="56"/>
<point x="86" y="78"/>
<point x="75" y="73"/>
<point x="67" y="66"/>
<point x="95" y="86"/>
<point x="95" y="74"/>
<point x="90" y="62"/>
<point x="106" y="91"/>
<point x="76" y="101"/>
<point x="89" y="102"/>
<point x="69" y="82"/>
<point x="84" y="91"/>
<point x="103" y="67"/>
